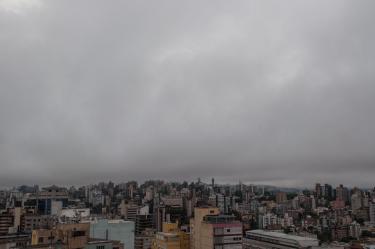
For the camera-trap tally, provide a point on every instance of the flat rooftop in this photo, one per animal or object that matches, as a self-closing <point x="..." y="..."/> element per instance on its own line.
<point x="219" y="218"/>
<point x="279" y="235"/>
<point x="168" y="234"/>
<point x="118" y="221"/>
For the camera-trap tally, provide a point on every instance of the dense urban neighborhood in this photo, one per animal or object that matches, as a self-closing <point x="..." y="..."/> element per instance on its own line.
<point x="198" y="215"/>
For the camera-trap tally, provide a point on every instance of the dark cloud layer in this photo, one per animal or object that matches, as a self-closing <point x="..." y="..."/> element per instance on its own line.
<point x="278" y="92"/>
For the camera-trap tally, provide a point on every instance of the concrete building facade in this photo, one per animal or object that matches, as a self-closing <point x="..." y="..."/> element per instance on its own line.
<point x="210" y="230"/>
<point x="261" y="239"/>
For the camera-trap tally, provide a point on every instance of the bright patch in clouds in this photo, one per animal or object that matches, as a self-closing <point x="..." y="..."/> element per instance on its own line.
<point x="18" y="6"/>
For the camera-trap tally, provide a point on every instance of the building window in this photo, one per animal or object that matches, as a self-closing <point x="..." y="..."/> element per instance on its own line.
<point x="99" y="247"/>
<point x="78" y="233"/>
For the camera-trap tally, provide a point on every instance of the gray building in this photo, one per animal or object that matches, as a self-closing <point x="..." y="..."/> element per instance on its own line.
<point x="261" y="239"/>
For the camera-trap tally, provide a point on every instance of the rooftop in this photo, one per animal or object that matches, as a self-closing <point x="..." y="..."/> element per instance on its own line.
<point x="117" y="221"/>
<point x="280" y="235"/>
<point x="167" y="234"/>
<point x="219" y="218"/>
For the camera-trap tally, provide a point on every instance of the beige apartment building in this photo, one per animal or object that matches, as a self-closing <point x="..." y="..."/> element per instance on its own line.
<point x="210" y="230"/>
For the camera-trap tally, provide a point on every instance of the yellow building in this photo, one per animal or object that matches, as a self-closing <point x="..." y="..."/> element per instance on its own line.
<point x="166" y="241"/>
<point x="169" y="227"/>
<point x="41" y="236"/>
<point x="171" y="238"/>
<point x="184" y="240"/>
<point x="195" y="224"/>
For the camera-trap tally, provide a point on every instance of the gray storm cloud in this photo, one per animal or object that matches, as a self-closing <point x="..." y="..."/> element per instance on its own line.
<point x="278" y="92"/>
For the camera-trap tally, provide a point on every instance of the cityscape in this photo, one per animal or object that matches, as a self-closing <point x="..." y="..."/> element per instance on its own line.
<point x="187" y="124"/>
<point x="198" y="215"/>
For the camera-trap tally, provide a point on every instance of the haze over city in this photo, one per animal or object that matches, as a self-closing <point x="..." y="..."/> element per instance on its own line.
<point x="265" y="92"/>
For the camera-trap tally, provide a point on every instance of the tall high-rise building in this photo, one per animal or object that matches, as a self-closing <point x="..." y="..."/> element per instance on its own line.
<point x="342" y="193"/>
<point x="318" y="190"/>
<point x="327" y="193"/>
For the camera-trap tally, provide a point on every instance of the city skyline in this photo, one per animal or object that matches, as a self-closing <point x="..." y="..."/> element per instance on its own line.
<point x="181" y="215"/>
<point x="267" y="92"/>
<point x="207" y="182"/>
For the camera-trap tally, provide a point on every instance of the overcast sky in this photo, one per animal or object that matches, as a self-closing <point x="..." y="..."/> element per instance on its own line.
<point x="276" y="92"/>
